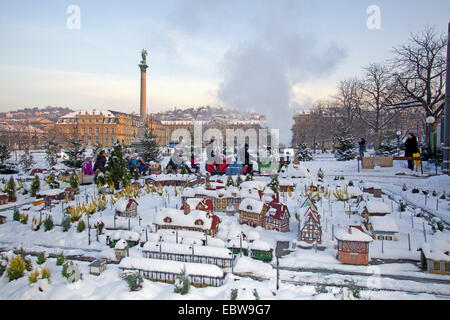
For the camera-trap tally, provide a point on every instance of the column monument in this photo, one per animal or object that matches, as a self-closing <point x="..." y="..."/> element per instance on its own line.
<point x="143" y="66"/>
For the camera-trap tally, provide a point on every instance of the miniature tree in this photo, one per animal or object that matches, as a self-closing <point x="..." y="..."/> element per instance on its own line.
<point x="40" y="258"/>
<point x="11" y="189"/>
<point x="45" y="273"/>
<point x="249" y="177"/>
<point x="48" y="223"/>
<point x="99" y="178"/>
<point x="345" y="149"/>
<point x="304" y="153"/>
<point x="255" y="294"/>
<point x="73" y="181"/>
<point x="60" y="259"/>
<point x="239" y="180"/>
<point x="320" y="174"/>
<point x="74" y="150"/>
<point x="71" y="271"/>
<point x="16" y="214"/>
<point x="274" y="184"/>
<point x="16" y="268"/>
<point x="26" y="160"/>
<point x="4" y="152"/>
<point x="117" y="167"/>
<point x="234" y="294"/>
<point x="133" y="279"/>
<point x="230" y="181"/>
<point x="65" y="224"/>
<point x="150" y="150"/>
<point x="81" y="226"/>
<point x="34" y="276"/>
<point x="182" y="284"/>
<point x="183" y="170"/>
<point x="52" y="153"/>
<point x="35" y="186"/>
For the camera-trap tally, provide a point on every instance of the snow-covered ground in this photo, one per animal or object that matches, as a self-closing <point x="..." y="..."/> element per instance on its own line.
<point x="400" y="257"/>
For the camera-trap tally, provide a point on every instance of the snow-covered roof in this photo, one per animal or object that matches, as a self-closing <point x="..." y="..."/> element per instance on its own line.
<point x="178" y="218"/>
<point x="386" y="224"/>
<point x="249" y="193"/>
<point x="253" y="235"/>
<point x="173" y="248"/>
<point x="173" y="177"/>
<point x="251" y="205"/>
<point x="354" y="191"/>
<point x="355" y="235"/>
<point x="295" y="171"/>
<point x="194" y="269"/>
<point x="122" y="203"/>
<point x="50" y="192"/>
<point x="126" y="235"/>
<point x="261" y="245"/>
<point x="437" y="250"/>
<point x="91" y="112"/>
<point x="258" y="185"/>
<point x="193" y="202"/>
<point x="377" y="206"/>
<point x="121" y="244"/>
<point x="236" y="243"/>
<point x="286" y="182"/>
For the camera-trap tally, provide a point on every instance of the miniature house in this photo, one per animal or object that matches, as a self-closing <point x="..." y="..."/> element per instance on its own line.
<point x="121" y="249"/>
<point x="97" y="267"/>
<point x="2" y="219"/>
<point x="277" y="217"/>
<point x="376" y="208"/>
<point x="383" y="228"/>
<point x="353" y="246"/>
<point x="435" y="257"/>
<point x="126" y="208"/>
<point x="197" y="204"/>
<point x="311" y="231"/>
<point x="253" y="212"/>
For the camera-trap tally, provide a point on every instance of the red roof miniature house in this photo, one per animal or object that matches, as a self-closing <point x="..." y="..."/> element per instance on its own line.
<point x="197" y="204"/>
<point x="277" y="217"/>
<point x="126" y="208"/>
<point x="353" y="245"/>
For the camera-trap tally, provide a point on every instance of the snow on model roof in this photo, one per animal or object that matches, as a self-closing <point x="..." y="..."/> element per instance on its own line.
<point x="236" y="244"/>
<point x="51" y="192"/>
<point x="75" y="114"/>
<point x="387" y="224"/>
<point x="286" y="182"/>
<point x="121" y="244"/>
<point x="261" y="245"/>
<point x="437" y="250"/>
<point x="126" y="235"/>
<point x="377" y="206"/>
<point x="251" y="205"/>
<point x="194" y="269"/>
<point x="258" y="185"/>
<point x="184" y="220"/>
<point x="356" y="235"/>
<point x="203" y="251"/>
<point x="121" y="204"/>
<point x="193" y="202"/>
<point x="253" y="235"/>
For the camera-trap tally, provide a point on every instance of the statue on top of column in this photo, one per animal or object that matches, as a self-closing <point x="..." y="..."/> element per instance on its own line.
<point x="144" y="55"/>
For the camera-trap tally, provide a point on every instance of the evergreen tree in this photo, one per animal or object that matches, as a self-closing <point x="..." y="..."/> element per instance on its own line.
<point x="346" y="147"/>
<point x="81" y="226"/>
<point x="48" y="223"/>
<point x="183" y="170"/>
<point x="239" y="180"/>
<point x="249" y="177"/>
<point x="60" y="259"/>
<point x="16" y="268"/>
<point x="74" y="150"/>
<point x="35" y="186"/>
<point x="304" y="152"/>
<point x="4" y="152"/>
<point x="16" y="214"/>
<point x="65" y="224"/>
<point x="320" y="175"/>
<point x="133" y="279"/>
<point x="182" y="284"/>
<point x="26" y="160"/>
<point x="40" y="258"/>
<point x="117" y="167"/>
<point x="230" y="181"/>
<point x="274" y="184"/>
<point x="11" y="189"/>
<point x="99" y="178"/>
<point x="73" y="181"/>
<point x="52" y="153"/>
<point x="150" y="150"/>
<point x="388" y="147"/>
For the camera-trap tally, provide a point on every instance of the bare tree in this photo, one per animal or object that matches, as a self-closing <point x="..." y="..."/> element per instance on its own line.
<point x="377" y="88"/>
<point x="348" y="98"/>
<point x="420" y="67"/>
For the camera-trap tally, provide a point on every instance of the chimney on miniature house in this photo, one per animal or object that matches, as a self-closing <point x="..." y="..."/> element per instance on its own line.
<point x="350" y="230"/>
<point x="187" y="208"/>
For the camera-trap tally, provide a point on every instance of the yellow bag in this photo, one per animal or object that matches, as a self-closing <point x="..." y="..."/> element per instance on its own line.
<point x="417" y="162"/>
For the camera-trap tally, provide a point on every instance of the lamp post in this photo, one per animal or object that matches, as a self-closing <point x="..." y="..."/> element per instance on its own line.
<point x="429" y="120"/>
<point x="446" y="147"/>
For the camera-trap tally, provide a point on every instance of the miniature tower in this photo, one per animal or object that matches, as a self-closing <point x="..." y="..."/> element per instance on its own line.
<point x="143" y="103"/>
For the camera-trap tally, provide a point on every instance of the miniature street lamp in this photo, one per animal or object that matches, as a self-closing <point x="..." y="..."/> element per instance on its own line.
<point x="429" y="120"/>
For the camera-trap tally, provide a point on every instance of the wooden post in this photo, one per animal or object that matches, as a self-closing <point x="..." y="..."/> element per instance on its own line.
<point x="332" y="232"/>
<point x="115" y="218"/>
<point x="409" y="242"/>
<point x="424" y="233"/>
<point x="382" y="245"/>
<point x="437" y="203"/>
<point x="426" y="199"/>
<point x="412" y="222"/>
<point x="129" y="224"/>
<point x="89" y="231"/>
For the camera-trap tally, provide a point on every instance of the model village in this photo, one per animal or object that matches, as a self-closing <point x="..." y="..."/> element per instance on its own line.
<point x="214" y="228"/>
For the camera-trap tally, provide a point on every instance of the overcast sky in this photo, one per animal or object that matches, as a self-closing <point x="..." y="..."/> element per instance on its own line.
<point x="263" y="55"/>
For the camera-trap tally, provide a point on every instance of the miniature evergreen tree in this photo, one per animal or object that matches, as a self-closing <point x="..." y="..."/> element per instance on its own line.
<point x="239" y="180"/>
<point x="249" y="177"/>
<point x="16" y="268"/>
<point x="183" y="170"/>
<point x="4" y="152"/>
<point x="81" y="226"/>
<point x="66" y="224"/>
<point x="345" y="149"/>
<point x="52" y="153"/>
<point x="182" y="284"/>
<point x="16" y="214"/>
<point x="255" y="294"/>
<point x="35" y="186"/>
<point x="150" y="150"/>
<point x="234" y="294"/>
<point x="230" y="181"/>
<point x="34" y="276"/>
<point x="11" y="189"/>
<point x="99" y="178"/>
<point x="48" y="223"/>
<point x="274" y="184"/>
<point x="74" y="150"/>
<point x="73" y="181"/>
<point x="40" y="258"/>
<point x="60" y="259"/>
<point x="320" y="174"/>
<point x="304" y="153"/>
<point x="117" y="167"/>
<point x="133" y="279"/>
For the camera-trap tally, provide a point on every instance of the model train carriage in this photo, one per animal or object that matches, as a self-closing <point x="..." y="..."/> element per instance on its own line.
<point x="237" y="246"/>
<point x="261" y="250"/>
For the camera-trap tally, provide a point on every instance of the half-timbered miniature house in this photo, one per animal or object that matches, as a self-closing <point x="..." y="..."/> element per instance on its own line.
<point x="126" y="207"/>
<point x="286" y="185"/>
<point x="277" y="217"/>
<point x="353" y="245"/>
<point x="435" y="257"/>
<point x="311" y="231"/>
<point x="309" y="203"/>
<point x="197" y="204"/>
<point x="196" y="220"/>
<point x="253" y="212"/>
<point x="97" y="267"/>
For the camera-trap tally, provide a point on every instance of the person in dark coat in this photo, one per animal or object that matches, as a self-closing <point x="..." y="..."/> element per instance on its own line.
<point x="411" y="147"/>
<point x="248" y="157"/>
<point x="362" y="147"/>
<point x="100" y="162"/>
